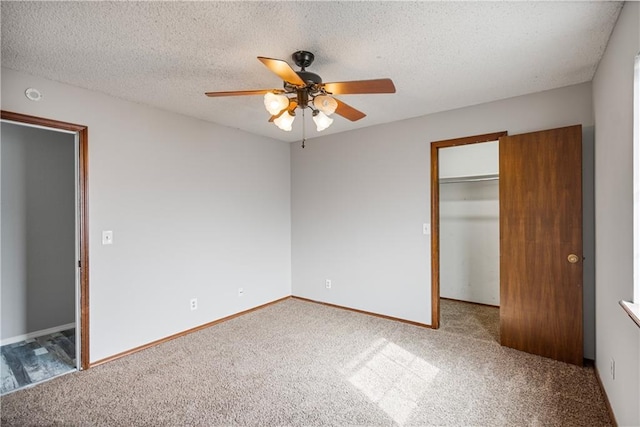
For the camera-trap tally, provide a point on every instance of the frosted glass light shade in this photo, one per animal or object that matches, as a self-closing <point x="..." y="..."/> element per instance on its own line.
<point x="326" y="104"/>
<point x="322" y="121"/>
<point x="285" y="121"/>
<point x="275" y="103"/>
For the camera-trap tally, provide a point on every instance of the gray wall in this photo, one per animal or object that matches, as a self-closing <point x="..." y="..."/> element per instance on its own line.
<point x="359" y="200"/>
<point x="38" y="229"/>
<point x="617" y="337"/>
<point x="588" y="242"/>
<point x="197" y="210"/>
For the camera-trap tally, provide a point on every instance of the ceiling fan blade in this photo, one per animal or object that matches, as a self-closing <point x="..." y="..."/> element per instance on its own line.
<point x="360" y="86"/>
<point x="348" y="112"/>
<point x="283" y="70"/>
<point x="243" y="92"/>
<point x="292" y="106"/>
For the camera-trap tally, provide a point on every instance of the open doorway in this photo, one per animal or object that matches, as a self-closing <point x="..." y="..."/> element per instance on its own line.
<point x="466" y="280"/>
<point x="470" y="240"/>
<point x="44" y="250"/>
<point x="541" y="240"/>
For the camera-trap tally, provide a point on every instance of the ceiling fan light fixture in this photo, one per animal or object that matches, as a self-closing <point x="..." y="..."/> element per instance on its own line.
<point x="275" y="103"/>
<point x="321" y="120"/>
<point x="285" y="120"/>
<point x="326" y="104"/>
<point x="303" y="89"/>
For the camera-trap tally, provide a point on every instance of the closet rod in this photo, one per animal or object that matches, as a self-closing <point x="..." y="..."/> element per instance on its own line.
<point x="477" y="178"/>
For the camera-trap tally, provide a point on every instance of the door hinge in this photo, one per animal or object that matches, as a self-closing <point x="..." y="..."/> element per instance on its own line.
<point x="79" y="264"/>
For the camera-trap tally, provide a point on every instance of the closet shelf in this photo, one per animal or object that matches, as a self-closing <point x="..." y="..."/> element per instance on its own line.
<point x="476" y="178"/>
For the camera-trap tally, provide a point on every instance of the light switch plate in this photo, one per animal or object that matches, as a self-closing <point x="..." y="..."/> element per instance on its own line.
<point x="426" y="229"/>
<point x="107" y="237"/>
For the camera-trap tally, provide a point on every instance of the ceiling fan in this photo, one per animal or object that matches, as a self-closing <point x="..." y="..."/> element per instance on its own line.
<point x="303" y="89"/>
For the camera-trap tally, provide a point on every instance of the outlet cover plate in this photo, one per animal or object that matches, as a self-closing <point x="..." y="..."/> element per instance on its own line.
<point x="107" y="237"/>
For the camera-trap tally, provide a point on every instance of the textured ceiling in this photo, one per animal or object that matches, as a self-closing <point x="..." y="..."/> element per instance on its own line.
<point x="441" y="55"/>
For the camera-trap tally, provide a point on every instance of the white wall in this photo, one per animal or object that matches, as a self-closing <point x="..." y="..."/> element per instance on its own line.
<point x="359" y="200"/>
<point x="38" y="223"/>
<point x="617" y="336"/>
<point x="197" y="210"/>
<point x="468" y="160"/>
<point x="470" y="241"/>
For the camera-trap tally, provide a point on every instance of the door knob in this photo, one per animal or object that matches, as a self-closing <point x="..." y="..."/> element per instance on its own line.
<point x="573" y="258"/>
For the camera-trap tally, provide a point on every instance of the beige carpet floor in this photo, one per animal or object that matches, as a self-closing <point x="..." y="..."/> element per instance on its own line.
<point x="304" y="364"/>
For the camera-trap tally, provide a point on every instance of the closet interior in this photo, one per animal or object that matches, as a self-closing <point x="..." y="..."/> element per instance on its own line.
<point x="469" y="223"/>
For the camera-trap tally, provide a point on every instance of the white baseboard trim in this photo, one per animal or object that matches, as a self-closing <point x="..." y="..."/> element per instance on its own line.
<point x="35" y="334"/>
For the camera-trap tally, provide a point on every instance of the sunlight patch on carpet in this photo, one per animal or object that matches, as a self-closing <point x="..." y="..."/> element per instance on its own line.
<point x="391" y="377"/>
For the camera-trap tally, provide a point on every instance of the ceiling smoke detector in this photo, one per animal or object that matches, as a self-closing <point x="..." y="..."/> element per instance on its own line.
<point x="33" y="94"/>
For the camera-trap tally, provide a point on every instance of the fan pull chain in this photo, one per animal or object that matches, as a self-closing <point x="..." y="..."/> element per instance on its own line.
<point x="304" y="129"/>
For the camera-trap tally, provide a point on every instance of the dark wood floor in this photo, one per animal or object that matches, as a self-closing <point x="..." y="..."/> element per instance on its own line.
<point x="38" y="359"/>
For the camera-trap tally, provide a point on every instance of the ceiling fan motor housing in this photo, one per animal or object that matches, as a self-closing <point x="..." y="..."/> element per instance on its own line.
<point x="309" y="78"/>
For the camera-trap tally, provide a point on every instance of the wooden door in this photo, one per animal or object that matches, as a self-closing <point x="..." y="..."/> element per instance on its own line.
<point x="541" y="243"/>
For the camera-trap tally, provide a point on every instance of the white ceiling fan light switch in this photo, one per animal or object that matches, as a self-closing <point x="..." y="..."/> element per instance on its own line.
<point x="107" y="237"/>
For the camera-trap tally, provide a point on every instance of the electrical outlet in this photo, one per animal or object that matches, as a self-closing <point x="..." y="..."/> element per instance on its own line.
<point x="613" y="369"/>
<point x="107" y="237"/>
<point x="240" y="292"/>
<point x="193" y="304"/>
<point x="327" y="284"/>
